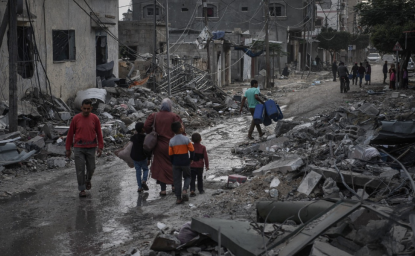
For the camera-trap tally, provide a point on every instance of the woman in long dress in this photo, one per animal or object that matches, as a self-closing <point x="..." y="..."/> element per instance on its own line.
<point x="161" y="168"/>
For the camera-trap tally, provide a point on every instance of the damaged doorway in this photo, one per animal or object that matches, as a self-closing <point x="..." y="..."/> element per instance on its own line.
<point x="101" y="47"/>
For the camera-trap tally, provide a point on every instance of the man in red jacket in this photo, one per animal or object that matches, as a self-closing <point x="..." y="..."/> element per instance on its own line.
<point x="88" y="136"/>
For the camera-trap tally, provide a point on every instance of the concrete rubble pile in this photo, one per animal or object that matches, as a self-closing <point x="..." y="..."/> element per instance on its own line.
<point x="341" y="183"/>
<point x="44" y="122"/>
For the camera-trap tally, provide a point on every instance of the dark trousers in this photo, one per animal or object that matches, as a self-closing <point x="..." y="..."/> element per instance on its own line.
<point x="84" y="157"/>
<point x="178" y="173"/>
<point x="385" y="75"/>
<point x="354" y="79"/>
<point x="334" y="76"/>
<point x="196" y="173"/>
<point x="253" y="125"/>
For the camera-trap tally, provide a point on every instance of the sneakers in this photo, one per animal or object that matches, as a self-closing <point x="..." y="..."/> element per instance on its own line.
<point x="144" y="186"/>
<point x="192" y="194"/>
<point x="201" y="192"/>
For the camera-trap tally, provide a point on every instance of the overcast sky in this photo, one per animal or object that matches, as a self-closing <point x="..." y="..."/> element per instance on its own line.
<point x="123" y="9"/>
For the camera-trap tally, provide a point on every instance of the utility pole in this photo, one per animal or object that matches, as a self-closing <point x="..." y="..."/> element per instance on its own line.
<point x="168" y="47"/>
<point x="13" y="66"/>
<point x="267" y="59"/>
<point x="4" y="23"/>
<point x="208" y="40"/>
<point x="155" y="46"/>
<point x="278" y="53"/>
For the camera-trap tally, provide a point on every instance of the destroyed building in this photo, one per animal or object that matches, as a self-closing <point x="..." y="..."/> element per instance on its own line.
<point x="61" y="39"/>
<point x="244" y="25"/>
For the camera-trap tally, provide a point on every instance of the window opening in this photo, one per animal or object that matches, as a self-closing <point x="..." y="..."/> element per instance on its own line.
<point x="244" y="9"/>
<point x="275" y="10"/>
<point x="150" y="11"/>
<point x="63" y="45"/>
<point x="185" y="10"/>
<point x="210" y="12"/>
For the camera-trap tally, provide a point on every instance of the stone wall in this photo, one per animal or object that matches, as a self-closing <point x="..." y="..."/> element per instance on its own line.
<point x="66" y="77"/>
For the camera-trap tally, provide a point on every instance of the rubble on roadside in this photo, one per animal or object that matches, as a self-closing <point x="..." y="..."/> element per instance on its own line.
<point x="341" y="183"/>
<point x="44" y="121"/>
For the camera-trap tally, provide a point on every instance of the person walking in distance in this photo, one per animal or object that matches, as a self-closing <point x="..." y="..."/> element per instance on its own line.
<point x="252" y="94"/>
<point x="392" y="78"/>
<point x="355" y="72"/>
<point x="334" y="70"/>
<point x="196" y="168"/>
<point x="362" y="72"/>
<point x="368" y="73"/>
<point x="85" y="135"/>
<point x="385" y="72"/>
<point x="405" y="78"/>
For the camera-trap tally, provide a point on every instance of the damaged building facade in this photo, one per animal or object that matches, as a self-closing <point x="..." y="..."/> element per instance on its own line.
<point x="70" y="44"/>
<point x="242" y="23"/>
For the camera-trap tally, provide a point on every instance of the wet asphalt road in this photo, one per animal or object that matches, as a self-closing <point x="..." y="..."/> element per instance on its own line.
<point x="55" y="221"/>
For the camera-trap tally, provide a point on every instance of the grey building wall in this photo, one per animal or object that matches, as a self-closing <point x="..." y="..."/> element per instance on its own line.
<point x="186" y="16"/>
<point x="66" y="77"/>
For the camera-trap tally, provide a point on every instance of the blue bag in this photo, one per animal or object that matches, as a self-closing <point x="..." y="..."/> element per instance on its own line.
<point x="367" y="77"/>
<point x="267" y="120"/>
<point x="259" y="114"/>
<point x="279" y="116"/>
<point x="271" y="109"/>
<point x="350" y="76"/>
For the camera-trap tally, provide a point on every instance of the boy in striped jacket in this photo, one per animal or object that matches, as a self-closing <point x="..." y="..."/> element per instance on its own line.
<point x="179" y="148"/>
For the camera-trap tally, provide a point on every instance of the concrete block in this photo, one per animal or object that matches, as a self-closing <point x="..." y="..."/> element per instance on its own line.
<point x="362" y="194"/>
<point x="47" y="129"/>
<point x="38" y="141"/>
<point x="289" y="164"/>
<point x="389" y="173"/>
<point x="369" y="109"/>
<point x="358" y="179"/>
<point x="54" y="162"/>
<point x="279" y="142"/>
<point x="55" y="149"/>
<point x="325" y="249"/>
<point x="395" y="94"/>
<point x="309" y="183"/>
<point x="65" y="116"/>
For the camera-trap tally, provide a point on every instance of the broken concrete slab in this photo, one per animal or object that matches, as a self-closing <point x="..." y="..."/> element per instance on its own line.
<point x="11" y="135"/>
<point x="369" y="109"/>
<point x="362" y="194"/>
<point x="291" y="163"/>
<point x="283" y="127"/>
<point x="326" y="249"/>
<point x="54" y="162"/>
<point x="65" y="116"/>
<point x="309" y="183"/>
<point x="389" y="174"/>
<point x="38" y="141"/>
<point x="279" y="142"/>
<point x="363" y="152"/>
<point x="55" y="149"/>
<point x="163" y="242"/>
<point x="358" y="179"/>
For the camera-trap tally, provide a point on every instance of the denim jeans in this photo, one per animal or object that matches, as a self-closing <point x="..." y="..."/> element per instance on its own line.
<point x="138" y="166"/>
<point x="178" y="173"/>
<point x="361" y="78"/>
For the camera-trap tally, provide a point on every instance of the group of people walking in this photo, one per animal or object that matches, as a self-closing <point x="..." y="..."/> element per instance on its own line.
<point x="394" y="77"/>
<point x="173" y="159"/>
<point x="358" y="72"/>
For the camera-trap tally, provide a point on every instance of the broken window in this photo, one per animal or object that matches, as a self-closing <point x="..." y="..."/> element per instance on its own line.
<point x="63" y="45"/>
<point x="210" y="12"/>
<point x="185" y="9"/>
<point x="319" y="22"/>
<point x="25" y="63"/>
<point x="276" y="10"/>
<point x="244" y="9"/>
<point x="150" y="11"/>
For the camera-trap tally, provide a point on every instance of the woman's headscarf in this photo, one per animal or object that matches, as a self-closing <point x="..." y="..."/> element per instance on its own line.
<point x="166" y="105"/>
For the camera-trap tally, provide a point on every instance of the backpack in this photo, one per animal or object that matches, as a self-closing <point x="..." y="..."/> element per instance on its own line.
<point x="150" y="141"/>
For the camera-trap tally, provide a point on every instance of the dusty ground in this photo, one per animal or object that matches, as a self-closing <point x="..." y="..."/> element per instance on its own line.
<point x="50" y="219"/>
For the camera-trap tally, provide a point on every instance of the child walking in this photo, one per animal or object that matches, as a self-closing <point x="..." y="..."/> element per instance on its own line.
<point x="179" y="148"/>
<point x="196" y="168"/>
<point x="140" y="157"/>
